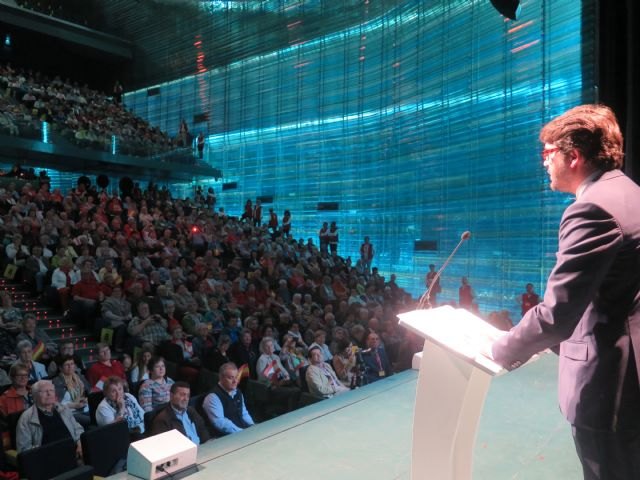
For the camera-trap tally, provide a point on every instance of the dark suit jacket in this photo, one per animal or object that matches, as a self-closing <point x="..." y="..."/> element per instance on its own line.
<point x="591" y="308"/>
<point x="167" y="420"/>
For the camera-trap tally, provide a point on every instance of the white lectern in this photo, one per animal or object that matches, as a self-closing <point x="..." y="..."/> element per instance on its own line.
<point x="452" y="384"/>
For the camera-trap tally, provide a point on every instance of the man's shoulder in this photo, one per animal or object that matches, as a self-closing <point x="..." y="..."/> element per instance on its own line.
<point x="164" y="414"/>
<point x="613" y="182"/>
<point x="27" y="414"/>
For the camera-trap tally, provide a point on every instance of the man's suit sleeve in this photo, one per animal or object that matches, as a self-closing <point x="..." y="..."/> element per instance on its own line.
<point x="589" y="241"/>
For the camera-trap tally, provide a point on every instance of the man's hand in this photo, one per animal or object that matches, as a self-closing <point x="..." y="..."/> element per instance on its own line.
<point x="486" y="348"/>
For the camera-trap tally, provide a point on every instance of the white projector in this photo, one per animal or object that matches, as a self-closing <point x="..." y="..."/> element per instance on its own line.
<point x="163" y="455"/>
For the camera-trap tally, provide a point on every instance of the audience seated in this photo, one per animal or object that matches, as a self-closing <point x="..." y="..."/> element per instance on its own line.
<point x="104" y="368"/>
<point x="79" y="114"/>
<point x="292" y="356"/>
<point x="180" y="416"/>
<point x="37" y="370"/>
<point x="155" y="391"/>
<point x="67" y="349"/>
<point x="43" y="347"/>
<point x="272" y="373"/>
<point x="18" y="397"/>
<point x="218" y="356"/>
<point x="235" y="273"/>
<point x="46" y="421"/>
<point x="321" y="379"/>
<point x="225" y="406"/>
<point x="116" y="314"/>
<point x="139" y="370"/>
<point x="118" y="405"/>
<point x="344" y="362"/>
<point x="376" y="363"/>
<point x="320" y="337"/>
<point x="148" y="328"/>
<point x="72" y="390"/>
<point x="245" y="352"/>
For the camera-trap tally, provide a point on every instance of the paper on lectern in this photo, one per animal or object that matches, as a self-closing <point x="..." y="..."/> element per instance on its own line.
<point x="458" y="330"/>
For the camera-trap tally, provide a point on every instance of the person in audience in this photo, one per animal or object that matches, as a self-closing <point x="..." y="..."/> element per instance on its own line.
<point x="72" y="390"/>
<point x="116" y="313"/>
<point x="37" y="370"/>
<point x="292" y="356"/>
<point x="344" y="362"/>
<point x="321" y="379"/>
<point x="203" y="342"/>
<point x="192" y="318"/>
<point x="155" y="391"/>
<point x="104" y="368"/>
<point x="180" y="416"/>
<point x="140" y="371"/>
<point x="17" y="397"/>
<point x="376" y="363"/>
<point x="244" y="352"/>
<point x="272" y="373"/>
<point x="46" y="421"/>
<point x="62" y="280"/>
<point x="225" y="406"/>
<point x="320" y="337"/>
<point x="179" y="338"/>
<point x="10" y="315"/>
<point x="36" y="268"/>
<point x="118" y="405"/>
<point x="219" y="355"/>
<point x="67" y="349"/>
<point x="43" y="347"/>
<point x="86" y="296"/>
<point x="148" y="328"/>
<point x="169" y="310"/>
<point x="16" y="251"/>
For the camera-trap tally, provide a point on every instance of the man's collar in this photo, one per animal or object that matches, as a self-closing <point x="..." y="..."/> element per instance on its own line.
<point x="178" y="412"/>
<point x="587" y="182"/>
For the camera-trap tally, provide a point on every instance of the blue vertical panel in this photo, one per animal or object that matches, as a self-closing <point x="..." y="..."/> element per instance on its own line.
<point x="420" y="123"/>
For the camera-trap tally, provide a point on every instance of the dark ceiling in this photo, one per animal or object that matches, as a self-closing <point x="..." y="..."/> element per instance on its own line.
<point x="174" y="38"/>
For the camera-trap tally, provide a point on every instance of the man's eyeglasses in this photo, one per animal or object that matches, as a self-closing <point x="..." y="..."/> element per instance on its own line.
<point x="548" y="151"/>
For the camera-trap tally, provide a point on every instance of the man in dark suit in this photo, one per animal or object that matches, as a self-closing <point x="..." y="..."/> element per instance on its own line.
<point x="180" y="416"/>
<point x="591" y="307"/>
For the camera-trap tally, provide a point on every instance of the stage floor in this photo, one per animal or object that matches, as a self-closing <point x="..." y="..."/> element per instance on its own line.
<point x="366" y="434"/>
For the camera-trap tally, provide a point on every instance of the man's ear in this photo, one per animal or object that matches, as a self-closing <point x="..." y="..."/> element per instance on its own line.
<point x="576" y="159"/>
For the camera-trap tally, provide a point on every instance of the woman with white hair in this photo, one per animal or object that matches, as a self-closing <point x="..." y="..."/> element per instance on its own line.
<point x="271" y="372"/>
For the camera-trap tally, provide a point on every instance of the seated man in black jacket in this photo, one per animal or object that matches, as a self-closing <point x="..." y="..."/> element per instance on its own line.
<point x="178" y="415"/>
<point x="225" y="405"/>
<point x="376" y="362"/>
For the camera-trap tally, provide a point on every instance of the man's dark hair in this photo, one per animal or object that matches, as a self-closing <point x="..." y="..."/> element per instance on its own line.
<point x="315" y="347"/>
<point x="180" y="384"/>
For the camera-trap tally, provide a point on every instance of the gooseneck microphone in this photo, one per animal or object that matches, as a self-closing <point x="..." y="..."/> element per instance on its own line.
<point x="425" y="299"/>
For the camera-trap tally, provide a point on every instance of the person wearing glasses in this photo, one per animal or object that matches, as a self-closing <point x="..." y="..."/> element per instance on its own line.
<point x="590" y="313"/>
<point x="18" y="397"/>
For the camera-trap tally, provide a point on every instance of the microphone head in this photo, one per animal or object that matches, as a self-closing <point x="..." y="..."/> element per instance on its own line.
<point x="465" y="235"/>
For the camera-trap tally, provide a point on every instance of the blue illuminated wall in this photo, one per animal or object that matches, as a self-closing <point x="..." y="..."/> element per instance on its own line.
<point x="421" y="124"/>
